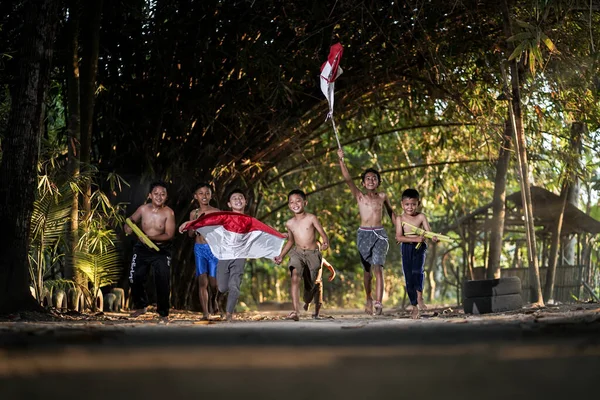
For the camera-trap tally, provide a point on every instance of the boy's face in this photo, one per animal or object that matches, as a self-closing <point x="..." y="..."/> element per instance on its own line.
<point x="410" y="206"/>
<point x="296" y="203"/>
<point x="158" y="195"/>
<point x="237" y="202"/>
<point x="203" y="195"/>
<point x="370" y="181"/>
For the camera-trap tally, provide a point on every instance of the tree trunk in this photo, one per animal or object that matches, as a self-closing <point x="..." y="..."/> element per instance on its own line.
<point x="516" y="117"/>
<point x="570" y="179"/>
<point x="73" y="137"/>
<point x="21" y="153"/>
<point x="499" y="206"/>
<point x="89" y="69"/>
<point x="578" y="129"/>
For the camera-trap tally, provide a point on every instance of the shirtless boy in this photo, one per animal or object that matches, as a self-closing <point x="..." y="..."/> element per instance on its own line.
<point x="305" y="257"/>
<point x="371" y="239"/>
<point x="206" y="262"/>
<point x="158" y="223"/>
<point x="413" y="254"/>
<point x="230" y="272"/>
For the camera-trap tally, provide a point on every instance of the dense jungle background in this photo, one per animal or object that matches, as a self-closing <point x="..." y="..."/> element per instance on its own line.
<point x="467" y="101"/>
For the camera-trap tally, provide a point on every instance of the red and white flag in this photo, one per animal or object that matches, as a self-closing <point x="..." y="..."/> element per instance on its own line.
<point x="330" y="71"/>
<point x="232" y="235"/>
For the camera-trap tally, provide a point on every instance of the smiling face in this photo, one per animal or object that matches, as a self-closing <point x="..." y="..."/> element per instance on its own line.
<point x="370" y="181"/>
<point x="237" y="202"/>
<point x="296" y="204"/>
<point x="203" y="196"/>
<point x="410" y="206"/>
<point x="158" y="196"/>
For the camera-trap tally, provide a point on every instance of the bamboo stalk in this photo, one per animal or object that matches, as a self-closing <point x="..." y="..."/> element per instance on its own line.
<point x="141" y="235"/>
<point x="428" y="234"/>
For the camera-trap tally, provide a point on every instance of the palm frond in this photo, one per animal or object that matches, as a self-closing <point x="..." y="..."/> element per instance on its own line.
<point x="101" y="269"/>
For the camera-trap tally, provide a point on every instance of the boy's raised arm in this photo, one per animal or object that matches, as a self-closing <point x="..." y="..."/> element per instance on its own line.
<point x="353" y="188"/>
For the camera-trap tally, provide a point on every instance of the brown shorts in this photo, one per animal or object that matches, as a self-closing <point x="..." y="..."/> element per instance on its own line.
<point x="307" y="263"/>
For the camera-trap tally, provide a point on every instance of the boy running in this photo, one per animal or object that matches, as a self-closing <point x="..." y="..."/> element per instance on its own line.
<point x="413" y="248"/>
<point x="371" y="238"/>
<point x="230" y="272"/>
<point x="206" y="262"/>
<point x="158" y="223"/>
<point x="305" y="257"/>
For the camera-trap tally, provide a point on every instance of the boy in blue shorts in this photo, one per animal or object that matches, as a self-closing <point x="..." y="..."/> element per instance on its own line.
<point x="206" y="262"/>
<point x="413" y="248"/>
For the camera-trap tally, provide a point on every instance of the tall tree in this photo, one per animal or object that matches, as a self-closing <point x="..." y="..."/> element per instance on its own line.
<point x="499" y="205"/>
<point x="516" y="116"/>
<point x="21" y="151"/>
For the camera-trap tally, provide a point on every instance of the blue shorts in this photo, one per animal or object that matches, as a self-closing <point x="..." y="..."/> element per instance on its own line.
<point x="206" y="262"/>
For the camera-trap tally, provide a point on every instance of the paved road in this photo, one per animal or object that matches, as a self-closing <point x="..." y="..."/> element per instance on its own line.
<point x="514" y="356"/>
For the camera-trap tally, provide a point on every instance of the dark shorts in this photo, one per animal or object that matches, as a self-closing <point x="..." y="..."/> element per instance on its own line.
<point x="206" y="262"/>
<point x="373" y="246"/>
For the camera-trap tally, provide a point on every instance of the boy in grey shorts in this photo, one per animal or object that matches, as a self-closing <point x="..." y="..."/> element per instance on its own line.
<point x="230" y="272"/>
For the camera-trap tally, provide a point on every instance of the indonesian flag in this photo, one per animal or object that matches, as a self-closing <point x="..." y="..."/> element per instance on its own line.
<point x="232" y="235"/>
<point x="330" y="71"/>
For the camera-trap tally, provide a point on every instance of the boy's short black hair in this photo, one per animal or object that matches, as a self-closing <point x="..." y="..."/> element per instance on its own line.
<point x="410" y="194"/>
<point x="203" y="184"/>
<point x="298" y="192"/>
<point x="234" y="191"/>
<point x="372" y="170"/>
<point x="157" y="184"/>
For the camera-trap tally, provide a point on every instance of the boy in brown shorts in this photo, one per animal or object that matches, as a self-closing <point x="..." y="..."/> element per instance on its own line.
<point x="305" y="258"/>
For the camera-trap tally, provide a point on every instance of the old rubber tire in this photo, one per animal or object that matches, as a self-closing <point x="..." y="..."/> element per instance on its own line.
<point x="492" y="304"/>
<point x="492" y="287"/>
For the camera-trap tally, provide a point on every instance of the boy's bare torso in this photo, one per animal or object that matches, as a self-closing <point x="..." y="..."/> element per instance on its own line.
<point x="304" y="231"/>
<point x="370" y="206"/>
<point x="154" y="219"/>
<point x="197" y="213"/>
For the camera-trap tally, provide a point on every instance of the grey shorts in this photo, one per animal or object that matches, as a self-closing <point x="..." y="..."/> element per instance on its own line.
<point x="373" y="246"/>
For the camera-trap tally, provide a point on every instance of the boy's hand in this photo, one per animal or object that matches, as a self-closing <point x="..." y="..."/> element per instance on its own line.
<point x="277" y="260"/>
<point x="340" y="153"/>
<point x="182" y="226"/>
<point x="435" y="239"/>
<point x="324" y="246"/>
<point x="421" y="239"/>
<point x="127" y="229"/>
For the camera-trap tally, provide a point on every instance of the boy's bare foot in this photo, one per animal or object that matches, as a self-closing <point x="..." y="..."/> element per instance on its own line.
<point x="414" y="314"/>
<point x="163" y="319"/>
<point x="204" y="317"/>
<point x="138" y="312"/>
<point x="293" y="316"/>
<point x="369" y="307"/>
<point x="306" y="306"/>
<point x="378" y="308"/>
<point x="229" y="317"/>
<point x="422" y="305"/>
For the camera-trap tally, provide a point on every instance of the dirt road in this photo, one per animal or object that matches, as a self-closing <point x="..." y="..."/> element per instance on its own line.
<point x="547" y="353"/>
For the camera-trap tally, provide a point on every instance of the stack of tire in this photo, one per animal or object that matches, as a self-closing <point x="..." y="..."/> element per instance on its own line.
<point x="492" y="295"/>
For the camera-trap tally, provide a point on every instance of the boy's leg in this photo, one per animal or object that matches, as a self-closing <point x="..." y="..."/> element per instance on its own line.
<point x="138" y="273"/>
<point x="419" y="278"/>
<point x="367" y="279"/>
<point x="295" y="294"/>
<point x="203" y="294"/>
<point x="162" y="282"/>
<point x="235" y="282"/>
<point x="213" y="262"/>
<point x="378" y="270"/>
<point x="222" y="280"/>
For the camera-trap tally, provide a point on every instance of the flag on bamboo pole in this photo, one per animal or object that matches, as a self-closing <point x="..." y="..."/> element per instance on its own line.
<point x="232" y="235"/>
<point x="330" y="71"/>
